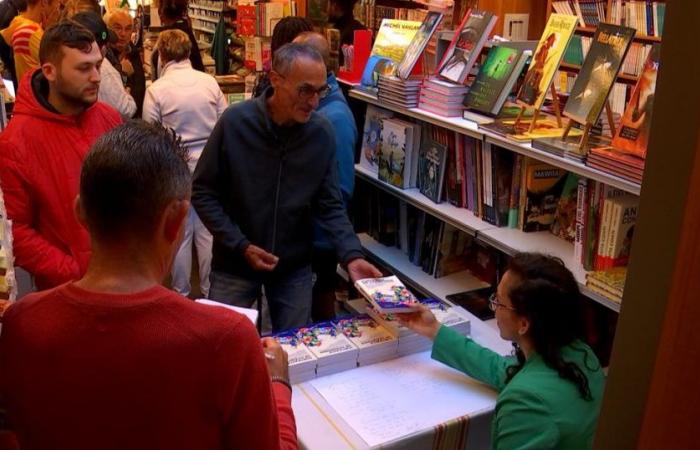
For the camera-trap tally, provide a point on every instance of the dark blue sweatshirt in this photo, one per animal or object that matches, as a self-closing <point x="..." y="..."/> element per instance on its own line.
<point x="262" y="184"/>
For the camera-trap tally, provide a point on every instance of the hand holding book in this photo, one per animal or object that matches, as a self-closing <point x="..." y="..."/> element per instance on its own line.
<point x="422" y="321"/>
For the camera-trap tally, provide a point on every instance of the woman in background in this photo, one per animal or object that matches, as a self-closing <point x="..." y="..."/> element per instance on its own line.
<point x="550" y="392"/>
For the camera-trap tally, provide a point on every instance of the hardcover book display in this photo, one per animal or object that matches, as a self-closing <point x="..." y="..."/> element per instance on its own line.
<point x="441" y="97"/>
<point x="334" y="352"/>
<point x="415" y="49"/>
<point x="399" y="92"/>
<point x="374" y="342"/>
<point x="302" y="362"/>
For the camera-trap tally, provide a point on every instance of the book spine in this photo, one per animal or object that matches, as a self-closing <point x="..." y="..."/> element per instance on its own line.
<point x="613" y="231"/>
<point x="580" y="216"/>
<point x="479" y="180"/>
<point x="603" y="235"/>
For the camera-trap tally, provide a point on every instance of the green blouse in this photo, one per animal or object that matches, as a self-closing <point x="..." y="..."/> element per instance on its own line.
<point x="537" y="409"/>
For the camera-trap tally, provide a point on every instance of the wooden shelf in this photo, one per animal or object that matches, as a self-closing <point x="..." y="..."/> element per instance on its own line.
<point x="470" y="128"/>
<point x="637" y="37"/>
<point x="575" y="68"/>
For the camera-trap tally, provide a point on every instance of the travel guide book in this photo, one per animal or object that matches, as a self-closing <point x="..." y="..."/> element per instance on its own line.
<point x="418" y="43"/>
<point x="546" y="59"/>
<point x="466" y="45"/>
<point x="495" y="79"/>
<point x="598" y="73"/>
<point x="633" y="133"/>
<point x="387" y="295"/>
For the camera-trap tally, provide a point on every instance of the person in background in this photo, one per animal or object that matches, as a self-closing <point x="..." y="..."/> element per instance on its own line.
<point x="189" y="102"/>
<point x="266" y="172"/>
<point x="550" y="392"/>
<point x="284" y="32"/>
<point x="9" y="9"/>
<point x="120" y="22"/>
<point x="25" y="31"/>
<point x="126" y="363"/>
<point x="112" y="89"/>
<point x="74" y="7"/>
<point x="340" y="17"/>
<point x="173" y="15"/>
<point x="56" y="119"/>
<point x="335" y="108"/>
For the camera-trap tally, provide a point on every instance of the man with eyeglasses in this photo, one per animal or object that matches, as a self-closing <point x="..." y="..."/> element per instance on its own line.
<point x="266" y="172"/>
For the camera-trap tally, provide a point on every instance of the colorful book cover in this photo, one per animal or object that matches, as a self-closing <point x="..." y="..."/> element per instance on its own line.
<point x="291" y="343"/>
<point x="466" y="45"/>
<point x="418" y="43"/>
<point x="387" y="294"/>
<point x="633" y="133"/>
<point x="324" y="340"/>
<point x="546" y="59"/>
<point x="394" y="159"/>
<point x="432" y="161"/>
<point x="564" y="225"/>
<point x="371" y="137"/>
<point x="393" y="38"/>
<point x="492" y="79"/>
<point x="363" y="331"/>
<point x="542" y="187"/>
<point x="444" y="313"/>
<point x="598" y="73"/>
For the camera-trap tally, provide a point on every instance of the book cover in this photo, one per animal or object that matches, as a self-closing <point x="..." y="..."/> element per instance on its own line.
<point x="432" y="160"/>
<point x="546" y="59"/>
<point x="324" y="341"/>
<point x="492" y="79"/>
<point x="429" y="246"/>
<point x="394" y="161"/>
<point x="387" y="294"/>
<point x="466" y="45"/>
<point x="393" y="38"/>
<point x="418" y="43"/>
<point x="598" y="73"/>
<point x="564" y="225"/>
<point x="291" y="343"/>
<point x="542" y="186"/>
<point x="444" y="313"/>
<point x="371" y="137"/>
<point x="364" y="332"/>
<point x="633" y="133"/>
<point x="498" y="175"/>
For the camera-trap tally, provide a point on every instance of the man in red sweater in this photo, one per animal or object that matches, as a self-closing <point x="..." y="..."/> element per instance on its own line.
<point x="115" y="360"/>
<point x="56" y="120"/>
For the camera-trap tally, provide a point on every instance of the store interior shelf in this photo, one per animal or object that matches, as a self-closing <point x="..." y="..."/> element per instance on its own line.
<point x="637" y="37"/>
<point x="507" y="240"/>
<point x="460" y="218"/>
<point x="205" y="18"/>
<point x="205" y="30"/>
<point x="484" y="333"/>
<point x="470" y="128"/>
<point x="575" y="68"/>
<point x="208" y="8"/>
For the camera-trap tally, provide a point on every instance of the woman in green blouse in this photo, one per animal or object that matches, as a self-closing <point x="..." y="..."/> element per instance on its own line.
<point x="550" y="391"/>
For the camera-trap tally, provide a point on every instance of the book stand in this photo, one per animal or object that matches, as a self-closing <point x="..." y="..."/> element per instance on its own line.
<point x="536" y="114"/>
<point x="587" y="127"/>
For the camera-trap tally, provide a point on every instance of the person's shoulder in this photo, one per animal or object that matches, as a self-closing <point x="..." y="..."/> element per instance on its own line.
<point x="219" y="323"/>
<point x="247" y="109"/>
<point x="30" y="302"/>
<point x="107" y="114"/>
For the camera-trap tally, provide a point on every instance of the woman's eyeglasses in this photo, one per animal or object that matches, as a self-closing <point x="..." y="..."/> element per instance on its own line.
<point x="494" y="304"/>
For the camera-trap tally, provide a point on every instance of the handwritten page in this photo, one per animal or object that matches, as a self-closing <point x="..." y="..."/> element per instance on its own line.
<point x="386" y="401"/>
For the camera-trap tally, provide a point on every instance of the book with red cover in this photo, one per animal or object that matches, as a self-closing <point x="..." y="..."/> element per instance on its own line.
<point x="463" y="51"/>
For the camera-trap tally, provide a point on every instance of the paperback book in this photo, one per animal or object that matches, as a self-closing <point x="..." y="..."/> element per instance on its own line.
<point x="334" y="352"/>
<point x="463" y="51"/>
<point x="387" y="294"/>
<point x="393" y="38"/>
<point x="598" y="73"/>
<point x="374" y="342"/>
<point x="542" y="187"/>
<point x="418" y="43"/>
<point x="302" y="363"/>
<point x="432" y="161"/>
<point x="371" y="137"/>
<point x="546" y="59"/>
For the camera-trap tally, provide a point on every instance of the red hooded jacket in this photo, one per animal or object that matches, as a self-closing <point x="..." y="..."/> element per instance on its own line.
<point x="41" y="152"/>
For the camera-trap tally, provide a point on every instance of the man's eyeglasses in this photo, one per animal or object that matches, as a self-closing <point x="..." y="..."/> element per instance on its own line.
<point x="306" y="91"/>
<point x="494" y="304"/>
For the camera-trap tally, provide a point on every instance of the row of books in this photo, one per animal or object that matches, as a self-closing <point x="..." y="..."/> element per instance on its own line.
<point x="257" y="52"/>
<point x="343" y="344"/>
<point x="633" y="64"/>
<point x="589" y="12"/>
<point x="260" y="19"/>
<point x="618" y="98"/>
<point x="646" y="16"/>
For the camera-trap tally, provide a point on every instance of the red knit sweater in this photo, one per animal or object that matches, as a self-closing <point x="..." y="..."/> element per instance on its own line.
<point x="152" y="370"/>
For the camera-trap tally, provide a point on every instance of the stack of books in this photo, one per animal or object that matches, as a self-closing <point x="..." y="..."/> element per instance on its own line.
<point x="447" y="315"/>
<point x="409" y="341"/>
<point x="398" y="92"/>
<point x="623" y="165"/>
<point x="374" y="342"/>
<point x="387" y="295"/>
<point x="302" y="363"/>
<point x="334" y="352"/>
<point x="442" y="97"/>
<point x="608" y="283"/>
<point x="570" y="148"/>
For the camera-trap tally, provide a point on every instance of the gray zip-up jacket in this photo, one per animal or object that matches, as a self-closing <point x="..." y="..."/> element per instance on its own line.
<point x="252" y="186"/>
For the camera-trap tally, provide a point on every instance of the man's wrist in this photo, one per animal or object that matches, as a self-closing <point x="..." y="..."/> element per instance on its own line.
<point x="281" y="379"/>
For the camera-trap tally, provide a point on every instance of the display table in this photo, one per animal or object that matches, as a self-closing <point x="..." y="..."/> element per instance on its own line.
<point x="410" y="402"/>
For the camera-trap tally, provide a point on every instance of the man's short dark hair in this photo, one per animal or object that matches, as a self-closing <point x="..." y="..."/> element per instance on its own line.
<point x="128" y="178"/>
<point x="287" y="29"/>
<point x="286" y="55"/>
<point x="66" y="33"/>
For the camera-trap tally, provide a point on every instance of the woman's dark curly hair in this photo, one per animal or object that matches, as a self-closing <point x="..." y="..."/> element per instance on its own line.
<point x="547" y="293"/>
<point x="287" y="29"/>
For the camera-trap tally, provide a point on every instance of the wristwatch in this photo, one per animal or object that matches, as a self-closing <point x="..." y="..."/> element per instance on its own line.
<point x="283" y="380"/>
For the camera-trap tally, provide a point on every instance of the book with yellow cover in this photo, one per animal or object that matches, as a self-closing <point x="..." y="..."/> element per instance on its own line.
<point x="546" y="59"/>
<point x="393" y="38"/>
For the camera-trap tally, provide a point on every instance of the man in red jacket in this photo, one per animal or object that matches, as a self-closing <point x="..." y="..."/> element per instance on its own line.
<point x="117" y="361"/>
<point x="56" y="120"/>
